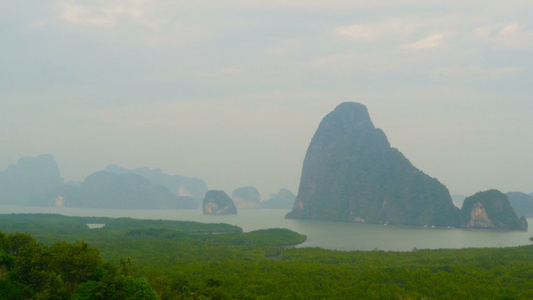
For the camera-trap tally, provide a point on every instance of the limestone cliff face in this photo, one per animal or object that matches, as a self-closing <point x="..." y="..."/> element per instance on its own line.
<point x="479" y="217"/>
<point x="218" y="202"/>
<point x="350" y="173"/>
<point x="490" y="209"/>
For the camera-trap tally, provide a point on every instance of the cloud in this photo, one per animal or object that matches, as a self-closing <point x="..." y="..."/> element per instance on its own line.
<point x="511" y="35"/>
<point x="373" y="31"/>
<point x="429" y="42"/>
<point x="362" y="63"/>
<point x="82" y="15"/>
<point x="476" y="72"/>
<point x="101" y="13"/>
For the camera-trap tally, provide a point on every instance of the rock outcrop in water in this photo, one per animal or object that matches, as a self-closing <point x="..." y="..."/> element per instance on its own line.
<point x="351" y="174"/>
<point x="247" y="197"/>
<point x="218" y="203"/>
<point x="24" y="182"/>
<point x="490" y="209"/>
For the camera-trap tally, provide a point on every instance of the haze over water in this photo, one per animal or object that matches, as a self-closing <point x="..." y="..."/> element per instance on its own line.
<point x="218" y="90"/>
<point x="323" y="234"/>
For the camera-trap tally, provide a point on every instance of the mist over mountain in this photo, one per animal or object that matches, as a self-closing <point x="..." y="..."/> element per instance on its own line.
<point x="179" y="185"/>
<point x="246" y="197"/>
<point x="522" y="203"/>
<point x="37" y="181"/>
<point x="351" y="174"/>
<point x="458" y="200"/>
<point x="104" y="189"/>
<point x="284" y="199"/>
<point x="26" y="180"/>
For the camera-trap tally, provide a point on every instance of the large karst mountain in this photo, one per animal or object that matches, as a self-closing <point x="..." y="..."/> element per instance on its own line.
<point x="351" y="174"/>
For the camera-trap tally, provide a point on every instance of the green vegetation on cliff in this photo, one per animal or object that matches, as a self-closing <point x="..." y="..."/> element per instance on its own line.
<point x="490" y="209"/>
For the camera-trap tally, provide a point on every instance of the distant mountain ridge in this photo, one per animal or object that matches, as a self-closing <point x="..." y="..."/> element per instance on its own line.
<point x="179" y="185"/>
<point x="104" y="189"/>
<point x="36" y="181"/>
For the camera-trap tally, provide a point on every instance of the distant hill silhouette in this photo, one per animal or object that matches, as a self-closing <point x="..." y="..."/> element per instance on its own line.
<point x="179" y="185"/>
<point x="111" y="190"/>
<point x="246" y="197"/>
<point x="522" y="203"/>
<point x="351" y="174"/>
<point x="284" y="199"/>
<point x="24" y="182"/>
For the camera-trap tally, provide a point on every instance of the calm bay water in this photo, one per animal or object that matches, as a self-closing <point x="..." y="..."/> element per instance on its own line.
<point x="329" y="235"/>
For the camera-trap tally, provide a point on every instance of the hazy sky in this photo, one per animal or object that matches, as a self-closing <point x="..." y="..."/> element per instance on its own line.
<point x="233" y="91"/>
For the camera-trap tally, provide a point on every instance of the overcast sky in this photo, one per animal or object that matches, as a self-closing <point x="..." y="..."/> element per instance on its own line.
<point x="233" y="91"/>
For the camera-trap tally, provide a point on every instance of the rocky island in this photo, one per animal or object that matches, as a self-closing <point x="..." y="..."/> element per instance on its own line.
<point x="491" y="210"/>
<point x="352" y="174"/>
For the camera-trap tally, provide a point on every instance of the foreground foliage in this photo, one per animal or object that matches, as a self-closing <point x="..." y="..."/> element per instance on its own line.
<point x="180" y="261"/>
<point x="29" y="270"/>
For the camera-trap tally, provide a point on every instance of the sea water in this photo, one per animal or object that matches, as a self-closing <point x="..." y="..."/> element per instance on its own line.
<point x="324" y="234"/>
